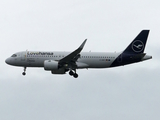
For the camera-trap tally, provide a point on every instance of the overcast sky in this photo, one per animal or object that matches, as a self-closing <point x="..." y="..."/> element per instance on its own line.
<point x="124" y="93"/>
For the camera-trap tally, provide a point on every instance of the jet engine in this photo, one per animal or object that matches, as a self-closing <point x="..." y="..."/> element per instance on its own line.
<point x="50" y="65"/>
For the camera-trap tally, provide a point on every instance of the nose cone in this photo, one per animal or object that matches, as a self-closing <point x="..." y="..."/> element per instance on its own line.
<point x="8" y="61"/>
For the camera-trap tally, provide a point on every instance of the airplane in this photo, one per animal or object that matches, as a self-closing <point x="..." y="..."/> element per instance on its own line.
<point x="63" y="62"/>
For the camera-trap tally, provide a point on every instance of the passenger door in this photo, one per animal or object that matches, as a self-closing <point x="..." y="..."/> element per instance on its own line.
<point x="23" y="56"/>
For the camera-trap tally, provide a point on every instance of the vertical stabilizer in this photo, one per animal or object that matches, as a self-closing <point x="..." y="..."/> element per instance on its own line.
<point x="137" y="46"/>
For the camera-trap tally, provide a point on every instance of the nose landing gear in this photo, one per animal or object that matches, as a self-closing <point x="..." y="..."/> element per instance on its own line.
<point x="24" y="73"/>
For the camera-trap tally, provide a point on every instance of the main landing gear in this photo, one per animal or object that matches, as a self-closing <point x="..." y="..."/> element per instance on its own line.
<point x="74" y="74"/>
<point x="24" y="73"/>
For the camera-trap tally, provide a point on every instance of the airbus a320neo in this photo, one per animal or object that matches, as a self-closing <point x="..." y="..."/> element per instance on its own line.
<point x="63" y="62"/>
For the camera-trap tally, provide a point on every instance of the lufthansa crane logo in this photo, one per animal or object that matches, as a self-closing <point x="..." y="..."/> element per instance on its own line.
<point x="137" y="46"/>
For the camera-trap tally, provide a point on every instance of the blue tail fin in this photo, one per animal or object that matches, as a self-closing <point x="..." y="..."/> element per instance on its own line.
<point x="137" y="46"/>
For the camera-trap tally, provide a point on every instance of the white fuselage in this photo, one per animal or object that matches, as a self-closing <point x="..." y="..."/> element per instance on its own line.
<point x="86" y="60"/>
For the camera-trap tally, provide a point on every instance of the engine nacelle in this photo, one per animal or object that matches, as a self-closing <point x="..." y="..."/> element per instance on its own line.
<point x="50" y="65"/>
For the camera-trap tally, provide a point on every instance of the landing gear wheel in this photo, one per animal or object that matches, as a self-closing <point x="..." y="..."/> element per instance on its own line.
<point x="75" y="75"/>
<point x="23" y="73"/>
<point x="71" y="73"/>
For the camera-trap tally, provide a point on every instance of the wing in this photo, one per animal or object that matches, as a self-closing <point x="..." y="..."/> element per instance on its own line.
<point x="72" y="57"/>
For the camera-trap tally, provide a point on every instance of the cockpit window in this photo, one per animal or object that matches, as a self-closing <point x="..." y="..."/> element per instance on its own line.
<point x="14" y="55"/>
